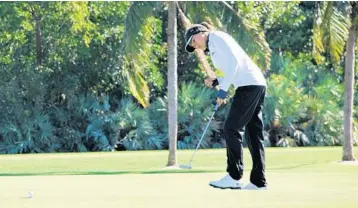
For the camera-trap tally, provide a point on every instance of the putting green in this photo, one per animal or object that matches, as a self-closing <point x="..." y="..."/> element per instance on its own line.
<point x="298" y="177"/>
<point x="177" y="190"/>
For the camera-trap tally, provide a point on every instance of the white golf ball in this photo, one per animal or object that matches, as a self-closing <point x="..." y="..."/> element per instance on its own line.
<point x="30" y="194"/>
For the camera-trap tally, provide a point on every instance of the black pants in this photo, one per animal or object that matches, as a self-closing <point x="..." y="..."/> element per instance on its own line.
<point x="245" y="120"/>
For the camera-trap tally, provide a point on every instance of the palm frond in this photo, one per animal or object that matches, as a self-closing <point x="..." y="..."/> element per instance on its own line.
<point x="203" y="11"/>
<point x="138" y="87"/>
<point x="339" y="30"/>
<point x="250" y="34"/>
<point x="317" y="35"/>
<point x="137" y="36"/>
<point x="134" y="36"/>
<point x="331" y="31"/>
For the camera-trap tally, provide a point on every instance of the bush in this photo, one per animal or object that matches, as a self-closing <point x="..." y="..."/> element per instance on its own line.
<point x="195" y="106"/>
<point x="136" y="129"/>
<point x="284" y="107"/>
<point x="304" y="102"/>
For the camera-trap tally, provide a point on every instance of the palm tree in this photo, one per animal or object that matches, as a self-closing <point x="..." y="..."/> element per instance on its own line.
<point x="349" y="85"/>
<point x="136" y="45"/>
<point x="333" y="30"/>
<point x="172" y="83"/>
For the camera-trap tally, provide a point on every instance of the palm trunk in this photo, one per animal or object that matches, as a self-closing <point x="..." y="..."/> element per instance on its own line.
<point x="199" y="53"/>
<point x="172" y="83"/>
<point x="348" y="96"/>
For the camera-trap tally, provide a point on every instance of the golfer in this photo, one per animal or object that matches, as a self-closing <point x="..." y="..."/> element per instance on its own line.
<point x="245" y="115"/>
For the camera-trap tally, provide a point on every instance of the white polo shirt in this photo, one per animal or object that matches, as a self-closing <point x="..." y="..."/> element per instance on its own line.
<point x="237" y="67"/>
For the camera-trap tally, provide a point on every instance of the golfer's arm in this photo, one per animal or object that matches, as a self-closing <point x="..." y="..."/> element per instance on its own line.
<point x="230" y="68"/>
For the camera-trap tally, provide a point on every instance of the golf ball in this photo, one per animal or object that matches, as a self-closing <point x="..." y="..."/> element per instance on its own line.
<point x="30" y="195"/>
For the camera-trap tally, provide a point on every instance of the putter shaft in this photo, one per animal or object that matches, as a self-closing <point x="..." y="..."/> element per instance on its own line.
<point x="202" y="136"/>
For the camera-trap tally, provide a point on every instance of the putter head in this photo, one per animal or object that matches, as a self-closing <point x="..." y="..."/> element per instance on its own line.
<point x="185" y="167"/>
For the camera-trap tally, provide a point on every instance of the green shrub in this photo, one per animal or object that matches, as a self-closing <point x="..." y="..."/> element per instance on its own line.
<point x="304" y="102"/>
<point x="195" y="106"/>
<point x="284" y="107"/>
<point x="136" y="130"/>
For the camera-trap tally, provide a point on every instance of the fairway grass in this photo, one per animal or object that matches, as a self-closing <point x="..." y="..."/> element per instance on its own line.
<point x="297" y="177"/>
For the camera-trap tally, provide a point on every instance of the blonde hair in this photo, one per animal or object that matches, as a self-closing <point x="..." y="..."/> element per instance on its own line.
<point x="208" y="26"/>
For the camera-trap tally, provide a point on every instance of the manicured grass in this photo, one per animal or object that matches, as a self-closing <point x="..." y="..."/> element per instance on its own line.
<point x="297" y="177"/>
<point x="278" y="159"/>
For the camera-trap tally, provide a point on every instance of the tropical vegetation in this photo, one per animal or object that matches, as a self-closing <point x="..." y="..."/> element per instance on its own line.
<point x="106" y="76"/>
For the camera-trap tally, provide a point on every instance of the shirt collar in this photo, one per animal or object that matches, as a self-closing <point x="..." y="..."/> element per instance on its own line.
<point x="207" y="44"/>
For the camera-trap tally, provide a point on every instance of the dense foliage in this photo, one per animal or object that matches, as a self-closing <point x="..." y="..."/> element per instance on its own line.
<point x="68" y="78"/>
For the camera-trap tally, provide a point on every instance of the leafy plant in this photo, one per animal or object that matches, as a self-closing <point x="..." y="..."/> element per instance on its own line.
<point x="136" y="130"/>
<point x="304" y="103"/>
<point x="31" y="135"/>
<point x="196" y="105"/>
<point x="284" y="107"/>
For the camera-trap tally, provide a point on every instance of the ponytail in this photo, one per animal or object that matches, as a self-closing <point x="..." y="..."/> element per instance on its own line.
<point x="207" y="25"/>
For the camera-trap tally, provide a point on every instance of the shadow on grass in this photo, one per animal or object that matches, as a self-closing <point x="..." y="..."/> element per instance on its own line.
<point x="66" y="173"/>
<point x="108" y="172"/>
<point x="291" y="167"/>
<point x="153" y="171"/>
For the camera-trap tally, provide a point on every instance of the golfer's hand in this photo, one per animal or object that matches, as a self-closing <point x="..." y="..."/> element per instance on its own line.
<point x="220" y="101"/>
<point x="209" y="82"/>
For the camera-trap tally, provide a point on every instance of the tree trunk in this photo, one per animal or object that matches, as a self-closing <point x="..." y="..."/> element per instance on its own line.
<point x="172" y="83"/>
<point x="348" y="96"/>
<point x="38" y="37"/>
<point x="199" y="53"/>
<point x="38" y="44"/>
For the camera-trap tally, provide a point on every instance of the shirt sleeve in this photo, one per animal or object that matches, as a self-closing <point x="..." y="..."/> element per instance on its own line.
<point x="225" y="60"/>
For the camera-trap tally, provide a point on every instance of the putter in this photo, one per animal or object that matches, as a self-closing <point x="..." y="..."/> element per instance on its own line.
<point x="202" y="136"/>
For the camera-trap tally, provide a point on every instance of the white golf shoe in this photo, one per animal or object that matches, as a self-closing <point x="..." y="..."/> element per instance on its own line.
<point x="251" y="186"/>
<point x="227" y="183"/>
